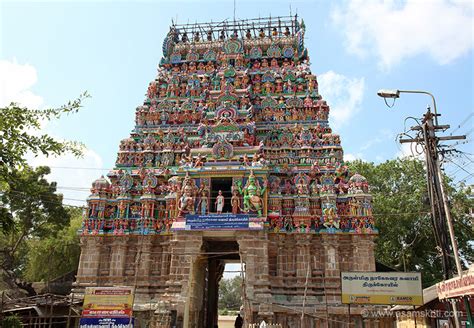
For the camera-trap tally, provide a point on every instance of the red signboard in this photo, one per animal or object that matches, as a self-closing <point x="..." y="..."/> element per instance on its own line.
<point x="456" y="287"/>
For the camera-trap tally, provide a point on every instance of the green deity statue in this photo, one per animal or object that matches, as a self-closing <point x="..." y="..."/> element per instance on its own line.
<point x="252" y="194"/>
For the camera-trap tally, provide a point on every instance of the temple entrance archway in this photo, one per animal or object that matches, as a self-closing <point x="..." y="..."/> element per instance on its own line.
<point x="217" y="251"/>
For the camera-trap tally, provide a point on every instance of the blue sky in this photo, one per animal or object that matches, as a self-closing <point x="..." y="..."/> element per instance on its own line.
<point x="52" y="51"/>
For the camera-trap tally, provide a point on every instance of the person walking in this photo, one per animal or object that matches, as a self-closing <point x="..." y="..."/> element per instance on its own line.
<point x="239" y="321"/>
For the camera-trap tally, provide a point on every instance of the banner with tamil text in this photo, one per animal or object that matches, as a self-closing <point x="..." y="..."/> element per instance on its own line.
<point x="106" y="323"/>
<point x="456" y="287"/>
<point x="107" y="307"/>
<point x="403" y="288"/>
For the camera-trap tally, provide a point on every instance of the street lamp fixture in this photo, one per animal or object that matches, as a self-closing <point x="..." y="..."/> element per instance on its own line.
<point x="394" y="94"/>
<point x="386" y="93"/>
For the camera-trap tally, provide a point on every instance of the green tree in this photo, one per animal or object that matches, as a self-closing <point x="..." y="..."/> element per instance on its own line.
<point x="30" y="208"/>
<point x="61" y="251"/>
<point x="36" y="210"/>
<point x="401" y="206"/>
<point x="230" y="291"/>
<point x="20" y="134"/>
<point x="16" y="138"/>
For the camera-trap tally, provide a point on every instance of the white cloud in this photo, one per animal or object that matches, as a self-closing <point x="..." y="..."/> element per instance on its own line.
<point x="382" y="136"/>
<point x="394" y="30"/>
<point x="410" y="150"/>
<point x="74" y="176"/>
<point x="343" y="94"/>
<point x="16" y="80"/>
<point x="353" y="157"/>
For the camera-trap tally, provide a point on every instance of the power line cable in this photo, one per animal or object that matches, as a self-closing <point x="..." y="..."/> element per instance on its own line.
<point x="465" y="179"/>
<point x="79" y="168"/>
<point x="462" y="168"/>
<point x="462" y="123"/>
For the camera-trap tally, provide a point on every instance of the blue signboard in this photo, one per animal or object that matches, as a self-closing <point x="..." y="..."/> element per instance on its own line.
<point x="217" y="222"/>
<point x="106" y="323"/>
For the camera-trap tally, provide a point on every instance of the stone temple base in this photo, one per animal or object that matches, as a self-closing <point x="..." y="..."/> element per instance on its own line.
<point x="176" y="276"/>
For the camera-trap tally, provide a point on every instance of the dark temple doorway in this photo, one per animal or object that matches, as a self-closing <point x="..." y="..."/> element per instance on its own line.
<point x="225" y="185"/>
<point x="219" y="253"/>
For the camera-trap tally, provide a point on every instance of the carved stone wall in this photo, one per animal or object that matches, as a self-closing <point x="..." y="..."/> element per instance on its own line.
<point x="282" y="271"/>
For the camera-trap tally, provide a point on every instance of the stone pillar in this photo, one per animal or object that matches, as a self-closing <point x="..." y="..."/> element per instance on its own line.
<point x="185" y="248"/>
<point x="118" y="259"/>
<point x="88" y="270"/>
<point x="253" y="248"/>
<point x="304" y="271"/>
<point x="331" y="268"/>
<point x="331" y="252"/>
<point x="197" y="282"/>
<point x="363" y="253"/>
<point x="144" y="264"/>
<point x="165" y="258"/>
<point x="303" y="258"/>
<point x="281" y="260"/>
<point x="143" y="269"/>
<point x="212" y="293"/>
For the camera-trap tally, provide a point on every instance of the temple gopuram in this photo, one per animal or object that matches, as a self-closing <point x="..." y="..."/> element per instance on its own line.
<point x="232" y="160"/>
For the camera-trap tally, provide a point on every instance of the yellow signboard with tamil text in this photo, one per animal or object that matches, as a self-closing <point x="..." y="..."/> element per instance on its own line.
<point x="402" y="288"/>
<point x="108" y="302"/>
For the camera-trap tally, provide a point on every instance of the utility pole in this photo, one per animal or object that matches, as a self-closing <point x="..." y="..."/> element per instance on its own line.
<point x="440" y="213"/>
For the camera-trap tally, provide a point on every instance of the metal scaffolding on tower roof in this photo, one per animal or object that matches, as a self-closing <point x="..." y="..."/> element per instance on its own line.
<point x="280" y="24"/>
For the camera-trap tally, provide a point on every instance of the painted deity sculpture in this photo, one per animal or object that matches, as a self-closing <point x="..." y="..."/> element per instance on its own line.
<point x="252" y="194"/>
<point x="187" y="199"/>
<point x="330" y="219"/>
<point x="203" y="204"/>
<point x="219" y="202"/>
<point x="235" y="202"/>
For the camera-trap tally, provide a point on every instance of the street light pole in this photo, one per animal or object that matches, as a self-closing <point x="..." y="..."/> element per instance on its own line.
<point x="396" y="94"/>
<point x="435" y="179"/>
<point x="385" y="93"/>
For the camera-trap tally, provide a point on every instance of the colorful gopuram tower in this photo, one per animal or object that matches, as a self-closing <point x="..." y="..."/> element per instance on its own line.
<point x="231" y="160"/>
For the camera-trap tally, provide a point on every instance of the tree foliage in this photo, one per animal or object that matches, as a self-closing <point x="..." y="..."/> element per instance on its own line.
<point x="20" y="134"/>
<point x="401" y="206"/>
<point x="61" y="251"/>
<point x="37" y="212"/>
<point x="11" y="321"/>
<point x="230" y="293"/>
<point x="31" y="211"/>
<point x="17" y="137"/>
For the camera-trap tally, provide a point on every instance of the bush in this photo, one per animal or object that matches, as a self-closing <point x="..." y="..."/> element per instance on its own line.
<point x="11" y="322"/>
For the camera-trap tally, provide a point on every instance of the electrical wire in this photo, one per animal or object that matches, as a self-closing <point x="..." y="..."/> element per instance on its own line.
<point x="460" y="167"/>
<point x="454" y="173"/>
<point x="462" y="123"/>
<point x="465" y="179"/>
<point x="386" y="103"/>
<point x="466" y="156"/>
<point x="26" y="196"/>
<point x="78" y="168"/>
